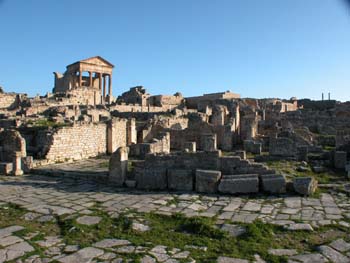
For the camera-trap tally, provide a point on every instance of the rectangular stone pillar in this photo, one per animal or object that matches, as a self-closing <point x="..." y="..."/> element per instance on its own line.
<point x="116" y="134"/>
<point x="17" y="164"/>
<point x="208" y="142"/>
<point x="80" y="78"/>
<point x="132" y="133"/>
<point x="104" y="88"/>
<point x="90" y="78"/>
<point x="110" y="85"/>
<point x="100" y="81"/>
<point x="207" y="181"/>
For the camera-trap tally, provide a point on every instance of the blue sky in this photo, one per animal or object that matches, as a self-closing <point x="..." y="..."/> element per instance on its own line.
<point x="258" y="48"/>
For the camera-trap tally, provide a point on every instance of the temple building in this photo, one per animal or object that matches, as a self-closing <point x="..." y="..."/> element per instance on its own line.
<point x="92" y="76"/>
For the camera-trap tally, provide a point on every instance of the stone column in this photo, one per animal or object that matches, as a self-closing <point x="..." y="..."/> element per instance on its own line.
<point x="100" y="81"/>
<point x="110" y="85"/>
<point x="104" y="87"/>
<point x="80" y="78"/>
<point x="17" y="164"/>
<point x="1" y="154"/>
<point x="90" y="78"/>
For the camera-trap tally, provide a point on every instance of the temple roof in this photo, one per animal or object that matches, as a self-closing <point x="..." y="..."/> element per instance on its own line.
<point x="97" y="60"/>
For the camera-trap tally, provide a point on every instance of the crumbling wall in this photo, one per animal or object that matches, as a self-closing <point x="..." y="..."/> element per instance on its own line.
<point x="154" y="171"/>
<point x="159" y="144"/>
<point x="8" y="100"/>
<point x="11" y="142"/>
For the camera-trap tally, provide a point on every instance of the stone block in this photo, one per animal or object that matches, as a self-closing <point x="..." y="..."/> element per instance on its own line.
<point x="239" y="183"/>
<point x="118" y="166"/>
<point x="208" y="142"/>
<point x="302" y="152"/>
<point x="17" y="164"/>
<point x="180" y="179"/>
<point x="242" y="154"/>
<point x="304" y="185"/>
<point x="273" y="183"/>
<point x="252" y="146"/>
<point x="27" y="164"/>
<point x="6" y="168"/>
<point x="282" y="147"/>
<point x="191" y="146"/>
<point x="152" y="179"/>
<point x="207" y="181"/>
<point x="340" y="159"/>
<point x="130" y="183"/>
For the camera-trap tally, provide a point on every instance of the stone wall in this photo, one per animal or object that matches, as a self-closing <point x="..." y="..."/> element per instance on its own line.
<point x="225" y="135"/>
<point x="153" y="172"/>
<point x="8" y="100"/>
<point x="165" y="100"/>
<point x="117" y="134"/>
<point x="282" y="147"/>
<point x="160" y="144"/>
<point x="77" y="142"/>
<point x="193" y="102"/>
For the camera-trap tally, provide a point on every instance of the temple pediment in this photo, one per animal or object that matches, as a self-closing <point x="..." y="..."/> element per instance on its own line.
<point x="97" y="61"/>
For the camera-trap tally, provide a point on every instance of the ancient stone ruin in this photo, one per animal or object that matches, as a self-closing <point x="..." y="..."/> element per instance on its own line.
<point x="214" y="143"/>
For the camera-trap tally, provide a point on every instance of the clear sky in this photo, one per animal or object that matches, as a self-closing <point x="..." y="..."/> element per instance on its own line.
<point x="258" y="48"/>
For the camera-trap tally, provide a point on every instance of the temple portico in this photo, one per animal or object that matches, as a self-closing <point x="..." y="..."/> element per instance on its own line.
<point x="94" y="73"/>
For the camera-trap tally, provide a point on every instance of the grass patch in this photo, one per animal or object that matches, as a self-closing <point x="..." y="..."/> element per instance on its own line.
<point x="289" y="168"/>
<point x="45" y="123"/>
<point x="176" y="231"/>
<point x="104" y="164"/>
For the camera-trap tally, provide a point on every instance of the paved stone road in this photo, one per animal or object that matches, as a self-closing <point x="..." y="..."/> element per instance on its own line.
<point x="45" y="196"/>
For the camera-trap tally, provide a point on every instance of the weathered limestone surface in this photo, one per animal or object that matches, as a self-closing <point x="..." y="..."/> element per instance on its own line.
<point x="118" y="166"/>
<point x="17" y="164"/>
<point x="208" y="142"/>
<point x="207" y="181"/>
<point x="340" y="159"/>
<point x="152" y="179"/>
<point x="8" y="100"/>
<point x="273" y="183"/>
<point x="180" y="179"/>
<point x="282" y="147"/>
<point x="117" y="130"/>
<point x="252" y="146"/>
<point x="240" y="183"/>
<point x="11" y="142"/>
<point x="77" y="142"/>
<point x="304" y="185"/>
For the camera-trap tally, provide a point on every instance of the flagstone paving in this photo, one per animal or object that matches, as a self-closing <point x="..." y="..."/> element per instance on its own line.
<point x="48" y="197"/>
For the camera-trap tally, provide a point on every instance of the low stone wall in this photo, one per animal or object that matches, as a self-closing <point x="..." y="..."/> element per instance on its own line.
<point x="282" y="147"/>
<point x="194" y="132"/>
<point x="77" y="142"/>
<point x="153" y="172"/>
<point x="160" y="144"/>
